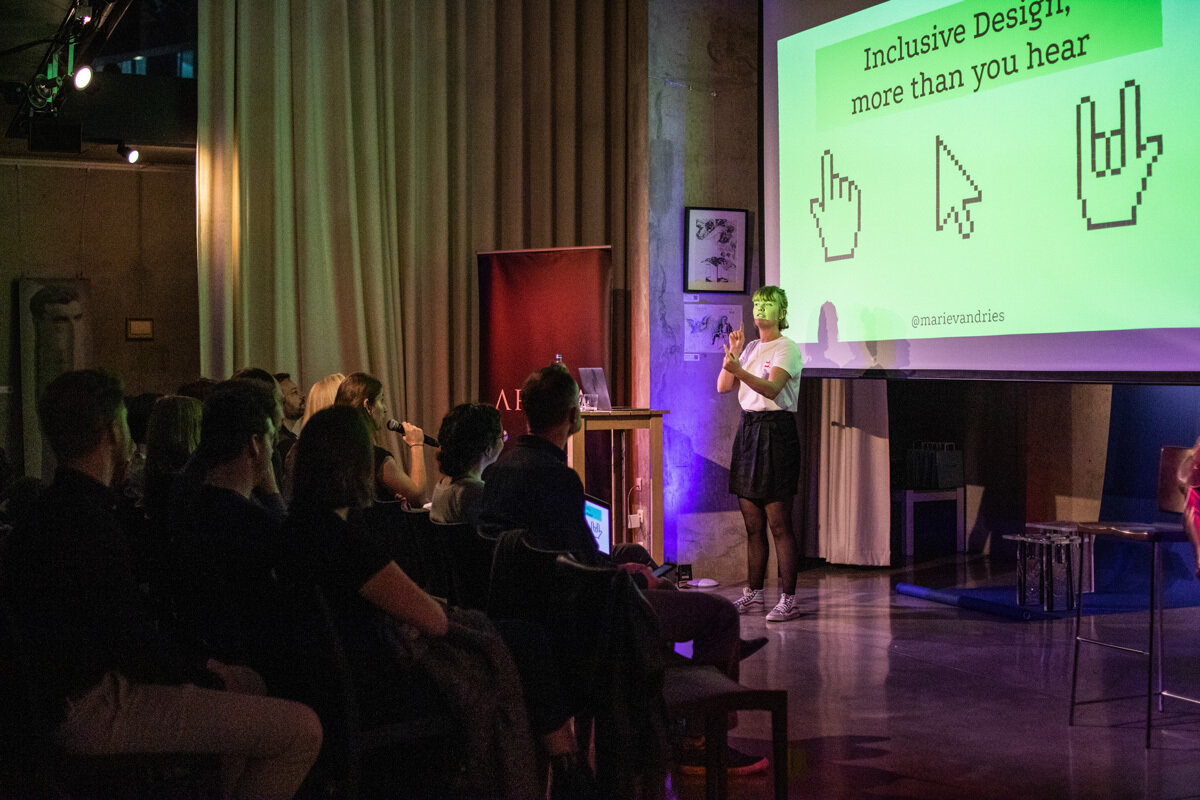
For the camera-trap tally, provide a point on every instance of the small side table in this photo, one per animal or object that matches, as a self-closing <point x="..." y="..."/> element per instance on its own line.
<point x="910" y="497"/>
<point x="1053" y="544"/>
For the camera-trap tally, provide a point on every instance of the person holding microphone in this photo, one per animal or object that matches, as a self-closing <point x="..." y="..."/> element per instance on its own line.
<point x="765" y="466"/>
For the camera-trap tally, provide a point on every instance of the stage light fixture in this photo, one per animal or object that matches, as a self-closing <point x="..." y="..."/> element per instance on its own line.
<point x="130" y="154"/>
<point x="83" y="77"/>
<point x="42" y="90"/>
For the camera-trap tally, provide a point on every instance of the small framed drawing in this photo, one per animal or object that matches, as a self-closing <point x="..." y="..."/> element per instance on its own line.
<point x="715" y="253"/>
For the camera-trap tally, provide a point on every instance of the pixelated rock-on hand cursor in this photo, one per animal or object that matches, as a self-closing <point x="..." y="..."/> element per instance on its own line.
<point x="838" y="212"/>
<point x="1113" y="166"/>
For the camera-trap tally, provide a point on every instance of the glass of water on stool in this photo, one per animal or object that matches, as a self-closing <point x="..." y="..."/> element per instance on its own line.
<point x="587" y="402"/>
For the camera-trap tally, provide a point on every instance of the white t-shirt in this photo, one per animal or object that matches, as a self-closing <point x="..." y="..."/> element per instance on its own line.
<point x="758" y="359"/>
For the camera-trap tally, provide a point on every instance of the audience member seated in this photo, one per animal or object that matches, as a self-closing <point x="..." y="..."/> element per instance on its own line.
<point x="470" y="440"/>
<point x="108" y="679"/>
<point x="199" y="388"/>
<point x="293" y="412"/>
<point x="228" y="543"/>
<point x="172" y="435"/>
<point x="407" y="655"/>
<point x="320" y="397"/>
<point x="139" y="408"/>
<point x="531" y="487"/>
<point x="364" y="393"/>
<point x="267" y="379"/>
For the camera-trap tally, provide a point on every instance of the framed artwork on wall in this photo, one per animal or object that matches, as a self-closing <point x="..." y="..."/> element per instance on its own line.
<point x="56" y="337"/>
<point x="715" y="250"/>
<point x="709" y="326"/>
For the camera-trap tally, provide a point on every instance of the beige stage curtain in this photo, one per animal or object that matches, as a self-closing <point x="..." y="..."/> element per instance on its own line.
<point x="353" y="156"/>
<point x="854" y="495"/>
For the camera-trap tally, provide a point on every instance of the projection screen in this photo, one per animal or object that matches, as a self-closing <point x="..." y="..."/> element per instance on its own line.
<point x="986" y="189"/>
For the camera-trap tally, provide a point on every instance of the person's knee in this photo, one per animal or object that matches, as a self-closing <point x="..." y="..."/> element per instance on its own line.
<point x="722" y="615"/>
<point x="782" y="535"/>
<point x="780" y="525"/>
<point x="630" y="553"/>
<point x="305" y="725"/>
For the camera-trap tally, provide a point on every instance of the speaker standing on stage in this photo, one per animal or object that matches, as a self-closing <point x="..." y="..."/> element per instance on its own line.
<point x="765" y="467"/>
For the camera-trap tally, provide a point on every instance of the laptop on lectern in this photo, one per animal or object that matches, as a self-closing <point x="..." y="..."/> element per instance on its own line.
<point x="592" y="381"/>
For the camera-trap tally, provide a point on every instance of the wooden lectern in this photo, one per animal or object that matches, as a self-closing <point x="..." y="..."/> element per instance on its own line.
<point x="627" y="419"/>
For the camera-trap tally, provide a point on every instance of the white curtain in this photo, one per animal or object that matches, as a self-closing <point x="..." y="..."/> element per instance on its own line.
<point x="854" y="494"/>
<point x="354" y="156"/>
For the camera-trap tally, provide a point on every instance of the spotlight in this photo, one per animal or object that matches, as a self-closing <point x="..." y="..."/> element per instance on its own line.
<point x="83" y="77"/>
<point x="130" y="154"/>
<point x="42" y="91"/>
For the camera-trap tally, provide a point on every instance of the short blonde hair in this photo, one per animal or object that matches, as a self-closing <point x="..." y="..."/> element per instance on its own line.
<point x="321" y="396"/>
<point x="774" y="293"/>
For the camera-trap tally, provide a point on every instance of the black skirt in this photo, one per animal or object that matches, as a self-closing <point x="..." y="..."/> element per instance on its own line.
<point x="766" y="456"/>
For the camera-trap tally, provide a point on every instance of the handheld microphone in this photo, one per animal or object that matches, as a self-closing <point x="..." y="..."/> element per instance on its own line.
<point x="394" y="425"/>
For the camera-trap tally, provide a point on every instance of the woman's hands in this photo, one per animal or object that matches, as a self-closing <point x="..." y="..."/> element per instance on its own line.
<point x="413" y="435"/>
<point x="652" y="583"/>
<point x="737" y="340"/>
<point x="731" y="363"/>
<point x="727" y="377"/>
<point x="733" y="351"/>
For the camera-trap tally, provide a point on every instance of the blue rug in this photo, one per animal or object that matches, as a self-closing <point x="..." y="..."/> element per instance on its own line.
<point x="1121" y="576"/>
<point x="1001" y="601"/>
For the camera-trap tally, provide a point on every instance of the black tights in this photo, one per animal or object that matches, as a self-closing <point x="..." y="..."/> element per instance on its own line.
<point x="758" y="515"/>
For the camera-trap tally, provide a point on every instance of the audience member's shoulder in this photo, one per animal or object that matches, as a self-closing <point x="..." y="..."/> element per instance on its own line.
<point x="226" y="508"/>
<point x="19" y="498"/>
<point x="73" y="493"/>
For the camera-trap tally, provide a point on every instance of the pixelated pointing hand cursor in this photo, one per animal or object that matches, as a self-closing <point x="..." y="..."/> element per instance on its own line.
<point x="1113" y="166"/>
<point x="838" y="212"/>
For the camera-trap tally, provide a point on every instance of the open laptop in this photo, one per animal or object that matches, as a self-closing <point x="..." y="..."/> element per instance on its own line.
<point x="598" y="515"/>
<point x="592" y="381"/>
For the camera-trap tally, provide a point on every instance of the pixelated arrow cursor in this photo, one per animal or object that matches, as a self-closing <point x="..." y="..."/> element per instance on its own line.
<point x="955" y="191"/>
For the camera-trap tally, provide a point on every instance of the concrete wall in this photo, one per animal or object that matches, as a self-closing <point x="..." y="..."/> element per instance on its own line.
<point x="132" y="233"/>
<point x="703" y="152"/>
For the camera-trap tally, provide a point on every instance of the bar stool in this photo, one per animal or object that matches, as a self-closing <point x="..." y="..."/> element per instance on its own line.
<point x="1052" y="543"/>
<point x="1155" y="536"/>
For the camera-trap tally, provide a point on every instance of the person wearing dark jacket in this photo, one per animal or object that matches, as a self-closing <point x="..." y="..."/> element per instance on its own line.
<point x="105" y="676"/>
<point x="531" y="487"/>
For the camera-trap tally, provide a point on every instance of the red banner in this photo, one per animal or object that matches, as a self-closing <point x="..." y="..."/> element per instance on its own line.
<point x="534" y="305"/>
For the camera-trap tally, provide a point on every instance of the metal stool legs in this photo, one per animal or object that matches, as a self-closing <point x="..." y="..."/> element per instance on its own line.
<point x="1154" y="642"/>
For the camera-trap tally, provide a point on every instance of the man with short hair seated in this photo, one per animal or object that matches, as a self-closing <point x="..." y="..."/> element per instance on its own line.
<point x="107" y="678"/>
<point x="531" y="487"/>
<point x="228" y="541"/>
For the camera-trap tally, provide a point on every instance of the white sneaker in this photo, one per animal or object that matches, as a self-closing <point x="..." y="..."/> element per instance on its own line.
<point x="785" y="609"/>
<point x="751" y="600"/>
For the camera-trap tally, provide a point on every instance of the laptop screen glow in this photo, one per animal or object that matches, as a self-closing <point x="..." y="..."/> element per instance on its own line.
<point x="599" y="520"/>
